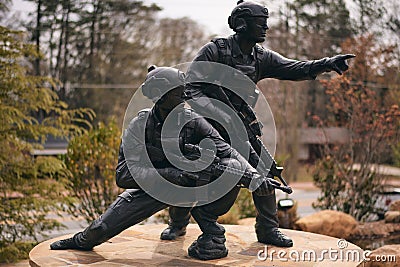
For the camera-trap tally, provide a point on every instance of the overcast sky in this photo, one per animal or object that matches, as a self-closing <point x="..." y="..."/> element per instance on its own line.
<point x="212" y="14"/>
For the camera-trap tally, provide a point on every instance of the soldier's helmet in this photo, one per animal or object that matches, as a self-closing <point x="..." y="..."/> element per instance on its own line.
<point x="161" y="80"/>
<point x="243" y="10"/>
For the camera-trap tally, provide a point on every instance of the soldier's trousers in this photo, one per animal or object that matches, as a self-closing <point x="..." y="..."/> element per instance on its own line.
<point x="266" y="218"/>
<point x="135" y="205"/>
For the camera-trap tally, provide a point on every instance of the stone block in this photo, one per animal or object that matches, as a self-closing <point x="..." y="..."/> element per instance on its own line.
<point x="392" y="217"/>
<point x="386" y="256"/>
<point x="395" y="206"/>
<point x="328" y="222"/>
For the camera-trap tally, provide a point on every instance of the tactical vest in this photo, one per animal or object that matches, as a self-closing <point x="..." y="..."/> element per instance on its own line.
<point x="153" y="137"/>
<point x="225" y="55"/>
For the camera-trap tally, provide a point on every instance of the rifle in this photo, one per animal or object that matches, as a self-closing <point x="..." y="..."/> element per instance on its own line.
<point x="216" y="169"/>
<point x="266" y="163"/>
<point x="253" y="128"/>
<point x="192" y="159"/>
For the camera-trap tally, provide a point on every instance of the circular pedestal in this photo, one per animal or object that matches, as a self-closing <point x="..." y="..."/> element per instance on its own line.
<point x="140" y="245"/>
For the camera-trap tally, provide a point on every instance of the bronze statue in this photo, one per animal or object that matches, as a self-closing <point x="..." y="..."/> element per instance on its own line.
<point x="143" y="137"/>
<point x="241" y="51"/>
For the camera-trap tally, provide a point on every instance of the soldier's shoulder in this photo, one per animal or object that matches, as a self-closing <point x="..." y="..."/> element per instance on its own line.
<point x="220" y="42"/>
<point x="139" y="121"/>
<point x="210" y="47"/>
<point x="143" y="113"/>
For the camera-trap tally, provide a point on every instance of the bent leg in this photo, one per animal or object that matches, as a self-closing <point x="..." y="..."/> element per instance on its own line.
<point x="179" y="219"/>
<point x="130" y="208"/>
<point x="211" y="244"/>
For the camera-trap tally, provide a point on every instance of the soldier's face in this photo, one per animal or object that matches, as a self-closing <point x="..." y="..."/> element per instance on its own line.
<point x="173" y="98"/>
<point x="256" y="28"/>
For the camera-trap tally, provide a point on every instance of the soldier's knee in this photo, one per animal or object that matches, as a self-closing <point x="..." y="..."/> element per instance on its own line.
<point x="98" y="232"/>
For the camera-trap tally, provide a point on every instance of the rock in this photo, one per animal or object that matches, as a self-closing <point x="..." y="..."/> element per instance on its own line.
<point x="371" y="235"/>
<point x="386" y="256"/>
<point x="370" y="230"/>
<point x="328" y="222"/>
<point x="392" y="217"/>
<point x="395" y="206"/>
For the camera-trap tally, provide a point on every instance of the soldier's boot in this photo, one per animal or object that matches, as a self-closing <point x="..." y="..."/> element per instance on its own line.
<point x="208" y="247"/>
<point x="171" y="232"/>
<point x="267" y="222"/>
<point x="68" y="243"/>
<point x="179" y="219"/>
<point x="211" y="244"/>
<point x="274" y="237"/>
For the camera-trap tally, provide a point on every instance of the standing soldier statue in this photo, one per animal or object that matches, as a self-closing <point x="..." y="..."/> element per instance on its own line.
<point x="241" y="52"/>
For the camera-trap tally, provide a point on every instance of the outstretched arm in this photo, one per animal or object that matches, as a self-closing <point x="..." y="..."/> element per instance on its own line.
<point x="277" y="66"/>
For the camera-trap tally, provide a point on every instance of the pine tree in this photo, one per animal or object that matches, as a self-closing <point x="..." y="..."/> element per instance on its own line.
<point x="30" y="187"/>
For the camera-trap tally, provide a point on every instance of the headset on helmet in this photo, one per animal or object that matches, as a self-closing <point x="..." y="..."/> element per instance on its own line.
<point x="160" y="80"/>
<point x="245" y="9"/>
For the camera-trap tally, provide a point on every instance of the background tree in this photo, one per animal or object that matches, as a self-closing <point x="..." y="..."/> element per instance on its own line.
<point x="306" y="30"/>
<point x="394" y="20"/>
<point x="345" y="175"/>
<point x="4" y="7"/>
<point x="100" y="43"/>
<point x="176" y="41"/>
<point x="100" y="50"/>
<point x="31" y="188"/>
<point x="370" y="17"/>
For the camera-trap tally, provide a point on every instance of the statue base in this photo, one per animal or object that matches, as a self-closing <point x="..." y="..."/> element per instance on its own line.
<point x="140" y="245"/>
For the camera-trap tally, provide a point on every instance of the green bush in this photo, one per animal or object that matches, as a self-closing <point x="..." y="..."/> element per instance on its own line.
<point x="15" y="251"/>
<point x="245" y="204"/>
<point x="357" y="199"/>
<point x="91" y="160"/>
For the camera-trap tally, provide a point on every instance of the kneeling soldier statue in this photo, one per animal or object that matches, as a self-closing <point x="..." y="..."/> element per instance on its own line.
<point x="143" y="138"/>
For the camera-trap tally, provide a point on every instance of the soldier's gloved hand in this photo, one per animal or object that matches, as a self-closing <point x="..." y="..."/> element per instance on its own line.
<point x="338" y="63"/>
<point x="263" y="186"/>
<point x="264" y="189"/>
